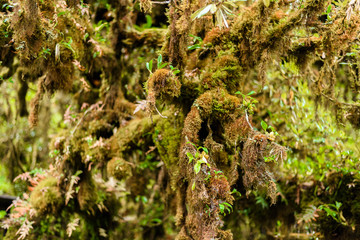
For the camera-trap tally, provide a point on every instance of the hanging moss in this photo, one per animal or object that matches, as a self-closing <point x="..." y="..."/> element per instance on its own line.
<point x="163" y="85"/>
<point x="167" y="138"/>
<point x="87" y="195"/>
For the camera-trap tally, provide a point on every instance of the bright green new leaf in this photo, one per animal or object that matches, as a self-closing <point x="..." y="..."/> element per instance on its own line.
<point x="159" y="61"/>
<point x="149" y="66"/>
<point x="190" y="156"/>
<point x="264" y="125"/>
<point x="197" y="167"/>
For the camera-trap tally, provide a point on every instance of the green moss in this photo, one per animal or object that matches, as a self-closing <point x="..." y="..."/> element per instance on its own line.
<point x="167" y="137"/>
<point x="119" y="168"/>
<point x="132" y="133"/>
<point x="46" y="196"/>
<point x="11" y="233"/>
<point x="227" y="71"/>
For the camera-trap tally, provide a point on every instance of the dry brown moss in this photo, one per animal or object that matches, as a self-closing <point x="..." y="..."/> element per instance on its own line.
<point x="163" y="85"/>
<point x="256" y="172"/>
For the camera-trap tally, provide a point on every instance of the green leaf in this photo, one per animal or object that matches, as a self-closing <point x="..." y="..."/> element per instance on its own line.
<point x="86" y="36"/>
<point x="264" y="125"/>
<point x="205" y="150"/>
<point x="148" y="21"/>
<point x="251" y="93"/>
<point x="193" y="186"/>
<point x="191" y="143"/>
<point x="149" y="65"/>
<point x="2" y="214"/>
<point x="338" y="205"/>
<point x="238" y="92"/>
<point x="176" y="72"/>
<point x="222" y="207"/>
<point x="229" y="205"/>
<point x="190" y="156"/>
<point x="266" y="3"/>
<point x="197" y="167"/>
<point x="193" y="47"/>
<point x="159" y="61"/>
<point x="162" y="65"/>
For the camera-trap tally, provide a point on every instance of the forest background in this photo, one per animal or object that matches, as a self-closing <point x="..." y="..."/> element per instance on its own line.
<point x="180" y="119"/>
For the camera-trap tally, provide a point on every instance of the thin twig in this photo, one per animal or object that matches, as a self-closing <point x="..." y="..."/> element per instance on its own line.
<point x="160" y="113"/>
<point x="340" y="103"/>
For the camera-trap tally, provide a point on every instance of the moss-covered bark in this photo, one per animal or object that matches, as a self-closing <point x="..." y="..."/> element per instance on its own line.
<point x="166" y="166"/>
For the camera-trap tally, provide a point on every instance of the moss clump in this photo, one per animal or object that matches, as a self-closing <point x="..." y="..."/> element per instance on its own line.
<point x="216" y="36"/>
<point x="164" y="85"/>
<point x="46" y="196"/>
<point x="192" y="125"/>
<point x="227" y="72"/>
<point x="217" y="103"/>
<point x="87" y="195"/>
<point x="119" y="168"/>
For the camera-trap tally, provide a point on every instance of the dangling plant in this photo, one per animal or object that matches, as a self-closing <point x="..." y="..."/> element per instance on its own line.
<point x="220" y="11"/>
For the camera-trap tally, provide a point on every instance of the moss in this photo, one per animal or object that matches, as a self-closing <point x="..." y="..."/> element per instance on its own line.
<point x="216" y="36"/>
<point x="132" y="132"/>
<point x="11" y="233"/>
<point x="217" y="103"/>
<point x="119" y="168"/>
<point x="192" y="125"/>
<point x="164" y="85"/>
<point x="87" y="195"/>
<point x="46" y="196"/>
<point x="237" y="131"/>
<point x="167" y="139"/>
<point x="100" y="128"/>
<point x="228" y="71"/>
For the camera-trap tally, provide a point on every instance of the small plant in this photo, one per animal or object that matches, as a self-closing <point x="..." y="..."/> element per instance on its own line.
<point x="146" y="25"/>
<point x="262" y="201"/>
<point x="236" y="192"/>
<point x="333" y="210"/>
<point x="68" y="46"/>
<point x="160" y="65"/>
<point x="197" y="42"/>
<point x="45" y="52"/>
<point x="310" y="214"/>
<point x="225" y="207"/>
<point x="219" y="9"/>
<point x="200" y="157"/>
<point x="272" y="135"/>
<point x="248" y="101"/>
<point x="98" y="30"/>
<point x="149" y="66"/>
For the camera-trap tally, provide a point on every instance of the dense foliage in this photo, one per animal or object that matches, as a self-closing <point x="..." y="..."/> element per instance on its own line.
<point x="180" y="119"/>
